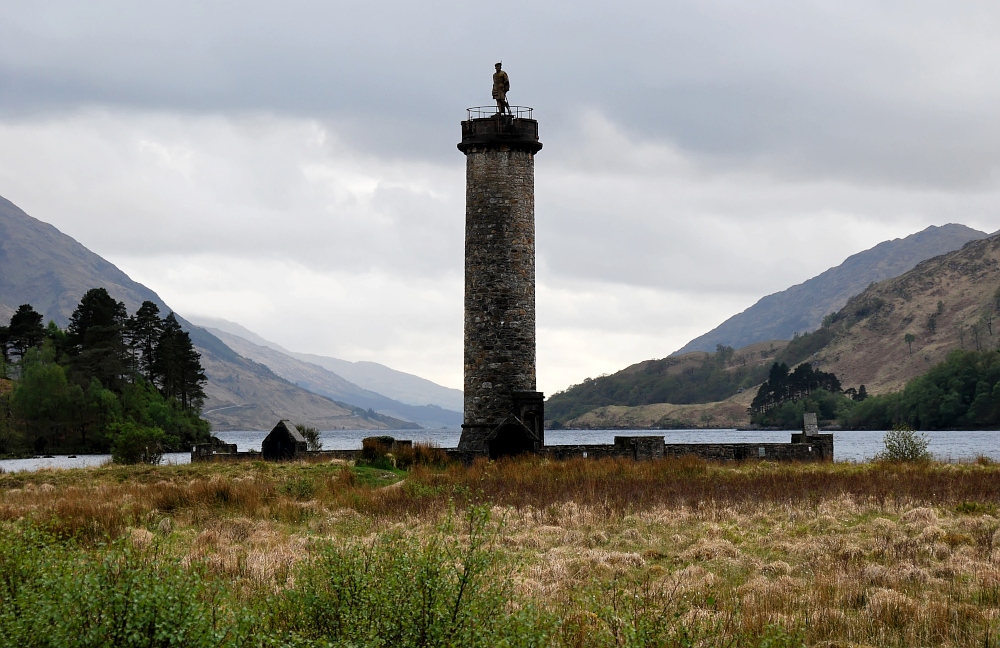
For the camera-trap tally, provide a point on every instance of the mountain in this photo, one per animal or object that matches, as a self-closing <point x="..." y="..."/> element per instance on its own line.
<point x="946" y="303"/>
<point x="801" y="308"/>
<point x="41" y="266"/>
<point x="949" y="302"/>
<point x="326" y="383"/>
<point x="693" y="378"/>
<point x="397" y="385"/>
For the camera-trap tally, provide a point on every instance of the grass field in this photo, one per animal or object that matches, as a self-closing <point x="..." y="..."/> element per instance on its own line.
<point x="528" y="552"/>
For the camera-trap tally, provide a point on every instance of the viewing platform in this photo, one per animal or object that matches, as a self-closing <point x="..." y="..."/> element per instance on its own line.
<point x="488" y="128"/>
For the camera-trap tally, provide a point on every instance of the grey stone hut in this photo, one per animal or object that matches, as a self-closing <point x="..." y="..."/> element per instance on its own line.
<point x="283" y="442"/>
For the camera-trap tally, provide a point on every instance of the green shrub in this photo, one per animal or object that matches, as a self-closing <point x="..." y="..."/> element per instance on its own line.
<point x="904" y="445"/>
<point x="58" y="596"/>
<point x="299" y="488"/>
<point x="132" y="443"/>
<point x="399" y="591"/>
<point x="311" y="435"/>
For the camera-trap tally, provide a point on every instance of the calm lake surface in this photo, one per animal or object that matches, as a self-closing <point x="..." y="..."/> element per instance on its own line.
<point x="848" y="446"/>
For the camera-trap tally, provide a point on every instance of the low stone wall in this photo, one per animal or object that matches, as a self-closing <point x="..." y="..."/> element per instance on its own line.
<point x="812" y="447"/>
<point x="817" y="447"/>
<point x="638" y="448"/>
<point x="253" y="455"/>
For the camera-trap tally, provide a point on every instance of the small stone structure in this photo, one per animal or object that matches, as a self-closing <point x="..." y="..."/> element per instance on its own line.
<point x="504" y="414"/>
<point x="283" y="439"/>
<point x="206" y="451"/>
<point x="283" y="442"/>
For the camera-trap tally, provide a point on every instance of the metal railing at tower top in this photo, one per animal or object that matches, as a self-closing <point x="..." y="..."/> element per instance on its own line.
<point x="486" y="112"/>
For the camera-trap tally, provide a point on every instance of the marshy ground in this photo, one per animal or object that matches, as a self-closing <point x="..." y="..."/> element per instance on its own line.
<point x="526" y="552"/>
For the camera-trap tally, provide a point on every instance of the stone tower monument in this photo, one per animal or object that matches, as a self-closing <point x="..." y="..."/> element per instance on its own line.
<point x="503" y="412"/>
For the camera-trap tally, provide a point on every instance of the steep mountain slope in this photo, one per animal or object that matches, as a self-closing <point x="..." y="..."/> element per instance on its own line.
<point x="41" y="266"/>
<point x="948" y="302"/>
<point x="801" y="308"/>
<point x="372" y="376"/>
<point x="321" y="381"/>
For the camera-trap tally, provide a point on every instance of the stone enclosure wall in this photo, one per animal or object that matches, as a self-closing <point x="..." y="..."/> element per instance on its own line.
<point x="817" y="447"/>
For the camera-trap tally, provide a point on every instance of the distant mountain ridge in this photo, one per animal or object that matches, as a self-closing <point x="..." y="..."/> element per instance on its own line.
<point x="326" y="383"/>
<point x="41" y="266"/>
<point x="801" y="308"/>
<point x="371" y="376"/>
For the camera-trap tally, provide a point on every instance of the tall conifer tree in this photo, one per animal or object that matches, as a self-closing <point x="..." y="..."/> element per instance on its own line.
<point x="96" y="339"/>
<point x="177" y="365"/>
<point x="25" y="330"/>
<point x="144" y="330"/>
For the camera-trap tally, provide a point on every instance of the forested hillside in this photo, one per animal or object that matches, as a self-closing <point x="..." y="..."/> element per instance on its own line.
<point x="108" y="382"/>
<point x="898" y="329"/>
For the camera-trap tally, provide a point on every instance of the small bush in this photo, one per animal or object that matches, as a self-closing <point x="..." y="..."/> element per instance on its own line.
<point x="399" y="591"/>
<point x="55" y="596"/>
<point x="376" y="453"/>
<point x="421" y="454"/>
<point x="311" y="436"/>
<point x="299" y="488"/>
<point x="904" y="445"/>
<point x="133" y="443"/>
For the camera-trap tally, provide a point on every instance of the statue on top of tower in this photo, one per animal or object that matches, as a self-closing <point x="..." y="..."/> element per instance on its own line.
<point x="501" y="84"/>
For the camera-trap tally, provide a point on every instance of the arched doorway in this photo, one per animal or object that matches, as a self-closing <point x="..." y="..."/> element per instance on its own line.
<point x="509" y="440"/>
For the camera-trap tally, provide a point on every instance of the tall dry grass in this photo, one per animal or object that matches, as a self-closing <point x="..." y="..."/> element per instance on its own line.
<point x="868" y="554"/>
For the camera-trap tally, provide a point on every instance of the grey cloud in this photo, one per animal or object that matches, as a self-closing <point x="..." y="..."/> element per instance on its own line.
<point x="883" y="93"/>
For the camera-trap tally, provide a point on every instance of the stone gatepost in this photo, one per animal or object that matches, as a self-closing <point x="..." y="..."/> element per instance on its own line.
<point x="809" y="425"/>
<point x="503" y="412"/>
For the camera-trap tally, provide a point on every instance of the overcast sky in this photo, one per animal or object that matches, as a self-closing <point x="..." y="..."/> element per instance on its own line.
<point x="291" y="165"/>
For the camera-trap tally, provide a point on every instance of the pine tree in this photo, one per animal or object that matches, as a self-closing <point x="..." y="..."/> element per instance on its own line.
<point x="144" y="330"/>
<point x="177" y="366"/>
<point x="25" y="330"/>
<point x="96" y="340"/>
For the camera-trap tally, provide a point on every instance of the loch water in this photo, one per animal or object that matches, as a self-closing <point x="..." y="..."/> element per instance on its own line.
<point x="852" y="445"/>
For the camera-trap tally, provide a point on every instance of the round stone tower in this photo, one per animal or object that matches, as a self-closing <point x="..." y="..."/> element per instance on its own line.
<point x="503" y="412"/>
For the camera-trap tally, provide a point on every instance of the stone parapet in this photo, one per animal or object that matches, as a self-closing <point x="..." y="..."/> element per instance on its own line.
<point x="500" y="133"/>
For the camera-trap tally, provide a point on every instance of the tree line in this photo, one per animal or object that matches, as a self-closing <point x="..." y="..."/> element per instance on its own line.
<point x="787" y="394"/>
<point x="109" y="382"/>
<point x="961" y="392"/>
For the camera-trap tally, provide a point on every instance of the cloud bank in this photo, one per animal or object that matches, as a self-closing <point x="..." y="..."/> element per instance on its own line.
<point x="293" y="167"/>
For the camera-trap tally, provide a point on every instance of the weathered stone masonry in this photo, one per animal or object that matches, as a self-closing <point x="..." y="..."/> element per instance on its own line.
<point x="499" y="283"/>
<point x="502" y="409"/>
